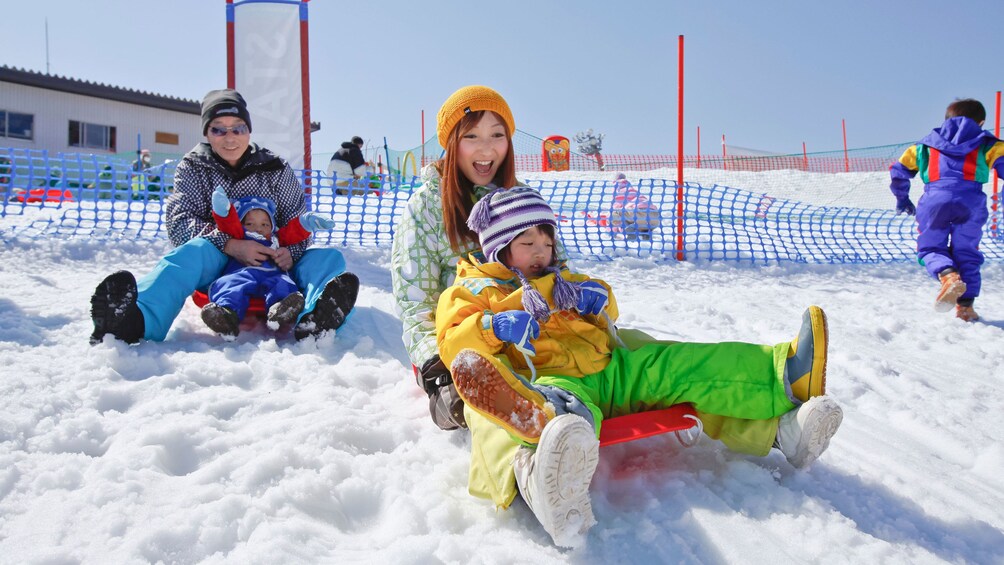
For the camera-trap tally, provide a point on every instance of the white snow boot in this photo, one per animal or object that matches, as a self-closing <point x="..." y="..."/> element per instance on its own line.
<point x="554" y="478"/>
<point x="804" y="433"/>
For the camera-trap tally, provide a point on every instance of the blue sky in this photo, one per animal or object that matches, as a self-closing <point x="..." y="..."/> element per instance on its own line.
<point x="769" y="75"/>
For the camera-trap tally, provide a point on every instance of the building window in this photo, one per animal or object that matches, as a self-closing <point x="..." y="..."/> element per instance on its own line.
<point x="165" y="138"/>
<point x="15" y="125"/>
<point x="92" y="136"/>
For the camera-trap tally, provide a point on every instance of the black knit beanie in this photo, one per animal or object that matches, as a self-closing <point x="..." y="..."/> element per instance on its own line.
<point x="226" y="102"/>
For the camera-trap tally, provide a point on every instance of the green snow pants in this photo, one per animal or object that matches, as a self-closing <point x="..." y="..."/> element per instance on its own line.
<point x="736" y="388"/>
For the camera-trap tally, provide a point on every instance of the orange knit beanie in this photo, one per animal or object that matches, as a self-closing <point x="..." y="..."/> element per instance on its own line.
<point x="471" y="99"/>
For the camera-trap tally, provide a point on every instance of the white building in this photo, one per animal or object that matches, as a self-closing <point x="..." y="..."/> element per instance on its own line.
<point x="64" y="115"/>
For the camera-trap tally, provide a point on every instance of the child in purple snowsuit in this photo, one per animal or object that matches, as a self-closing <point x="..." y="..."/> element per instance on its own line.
<point x="954" y="162"/>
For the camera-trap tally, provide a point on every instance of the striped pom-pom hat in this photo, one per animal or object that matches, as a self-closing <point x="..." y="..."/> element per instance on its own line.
<point x="504" y="214"/>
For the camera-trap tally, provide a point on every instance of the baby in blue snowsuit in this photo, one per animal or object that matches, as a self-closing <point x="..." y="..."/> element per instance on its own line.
<point x="253" y="217"/>
<point x="954" y="162"/>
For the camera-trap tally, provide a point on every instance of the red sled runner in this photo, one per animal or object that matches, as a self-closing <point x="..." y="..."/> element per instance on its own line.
<point x="676" y="418"/>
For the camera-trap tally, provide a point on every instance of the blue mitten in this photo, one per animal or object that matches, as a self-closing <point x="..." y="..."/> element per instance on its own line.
<point x="593" y="298"/>
<point x="312" y="221"/>
<point x="905" y="206"/>
<point x="221" y="204"/>
<point x="518" y="328"/>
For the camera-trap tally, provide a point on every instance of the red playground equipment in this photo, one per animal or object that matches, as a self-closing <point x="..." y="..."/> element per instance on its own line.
<point x="555" y="154"/>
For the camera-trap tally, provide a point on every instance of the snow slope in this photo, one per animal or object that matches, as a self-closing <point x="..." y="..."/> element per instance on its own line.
<point x="267" y="450"/>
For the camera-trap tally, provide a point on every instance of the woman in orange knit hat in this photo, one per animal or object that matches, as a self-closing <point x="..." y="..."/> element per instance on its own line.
<point x="475" y="126"/>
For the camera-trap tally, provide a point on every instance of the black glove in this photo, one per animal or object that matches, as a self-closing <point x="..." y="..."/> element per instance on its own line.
<point x="445" y="405"/>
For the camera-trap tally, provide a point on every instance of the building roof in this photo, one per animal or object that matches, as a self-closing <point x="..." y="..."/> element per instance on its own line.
<point x="106" y="92"/>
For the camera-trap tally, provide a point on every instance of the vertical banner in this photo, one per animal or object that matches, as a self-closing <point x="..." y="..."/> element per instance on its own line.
<point x="267" y="63"/>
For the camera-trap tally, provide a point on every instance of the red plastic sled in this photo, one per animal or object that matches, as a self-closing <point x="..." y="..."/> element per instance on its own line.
<point x="42" y="195"/>
<point x="676" y="418"/>
<point x="255" y="308"/>
<point x="646" y="424"/>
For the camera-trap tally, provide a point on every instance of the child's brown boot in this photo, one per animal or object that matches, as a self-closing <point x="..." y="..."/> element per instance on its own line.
<point x="494" y="391"/>
<point x="966" y="313"/>
<point x="952" y="288"/>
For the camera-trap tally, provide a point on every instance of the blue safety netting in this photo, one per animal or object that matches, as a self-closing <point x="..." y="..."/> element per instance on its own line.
<point x="94" y="196"/>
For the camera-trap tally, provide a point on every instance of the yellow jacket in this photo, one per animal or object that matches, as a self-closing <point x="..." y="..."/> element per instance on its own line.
<point x="570" y="344"/>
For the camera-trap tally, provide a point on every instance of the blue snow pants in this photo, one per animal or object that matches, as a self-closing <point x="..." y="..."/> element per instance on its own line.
<point x="951" y="226"/>
<point x="234" y="290"/>
<point x="197" y="263"/>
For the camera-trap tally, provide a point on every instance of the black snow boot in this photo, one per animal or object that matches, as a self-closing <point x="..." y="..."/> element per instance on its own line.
<point x="334" y="304"/>
<point x="114" y="310"/>
<point x="286" y="310"/>
<point x="221" y="320"/>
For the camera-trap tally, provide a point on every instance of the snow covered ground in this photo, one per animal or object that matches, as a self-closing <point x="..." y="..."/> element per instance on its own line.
<point x="268" y="450"/>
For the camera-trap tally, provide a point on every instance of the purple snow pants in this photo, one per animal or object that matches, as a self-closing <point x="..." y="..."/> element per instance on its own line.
<point x="951" y="225"/>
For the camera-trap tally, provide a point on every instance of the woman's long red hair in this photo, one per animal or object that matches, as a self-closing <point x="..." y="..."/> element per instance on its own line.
<point x="458" y="191"/>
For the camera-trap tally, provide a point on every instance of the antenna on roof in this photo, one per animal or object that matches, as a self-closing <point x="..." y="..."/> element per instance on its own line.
<point x="47" y="45"/>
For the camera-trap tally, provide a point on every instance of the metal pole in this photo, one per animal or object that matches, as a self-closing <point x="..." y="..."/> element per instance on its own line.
<point x="698" y="147"/>
<point x="46" y="45"/>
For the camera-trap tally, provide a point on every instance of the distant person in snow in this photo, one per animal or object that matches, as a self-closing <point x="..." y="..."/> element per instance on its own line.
<point x="633" y="215"/>
<point x="142" y="162"/>
<point x="131" y="310"/>
<point x="954" y="162"/>
<point x="348" y="163"/>
<point x="143" y="181"/>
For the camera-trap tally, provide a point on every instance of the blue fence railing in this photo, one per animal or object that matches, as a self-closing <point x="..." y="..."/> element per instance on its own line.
<point x="85" y="195"/>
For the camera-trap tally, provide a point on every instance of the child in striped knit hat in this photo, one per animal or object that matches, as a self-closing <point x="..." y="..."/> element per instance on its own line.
<point x="564" y="369"/>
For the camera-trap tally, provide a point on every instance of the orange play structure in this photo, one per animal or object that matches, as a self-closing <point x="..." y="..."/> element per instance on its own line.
<point x="555" y="154"/>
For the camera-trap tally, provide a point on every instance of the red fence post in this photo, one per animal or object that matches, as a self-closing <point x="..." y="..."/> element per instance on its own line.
<point x="995" y="198"/>
<point x="847" y="161"/>
<point x="725" y="163"/>
<point x="679" y="160"/>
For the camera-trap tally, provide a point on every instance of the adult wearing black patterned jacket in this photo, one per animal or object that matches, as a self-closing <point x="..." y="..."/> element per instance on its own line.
<point x="131" y="310"/>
